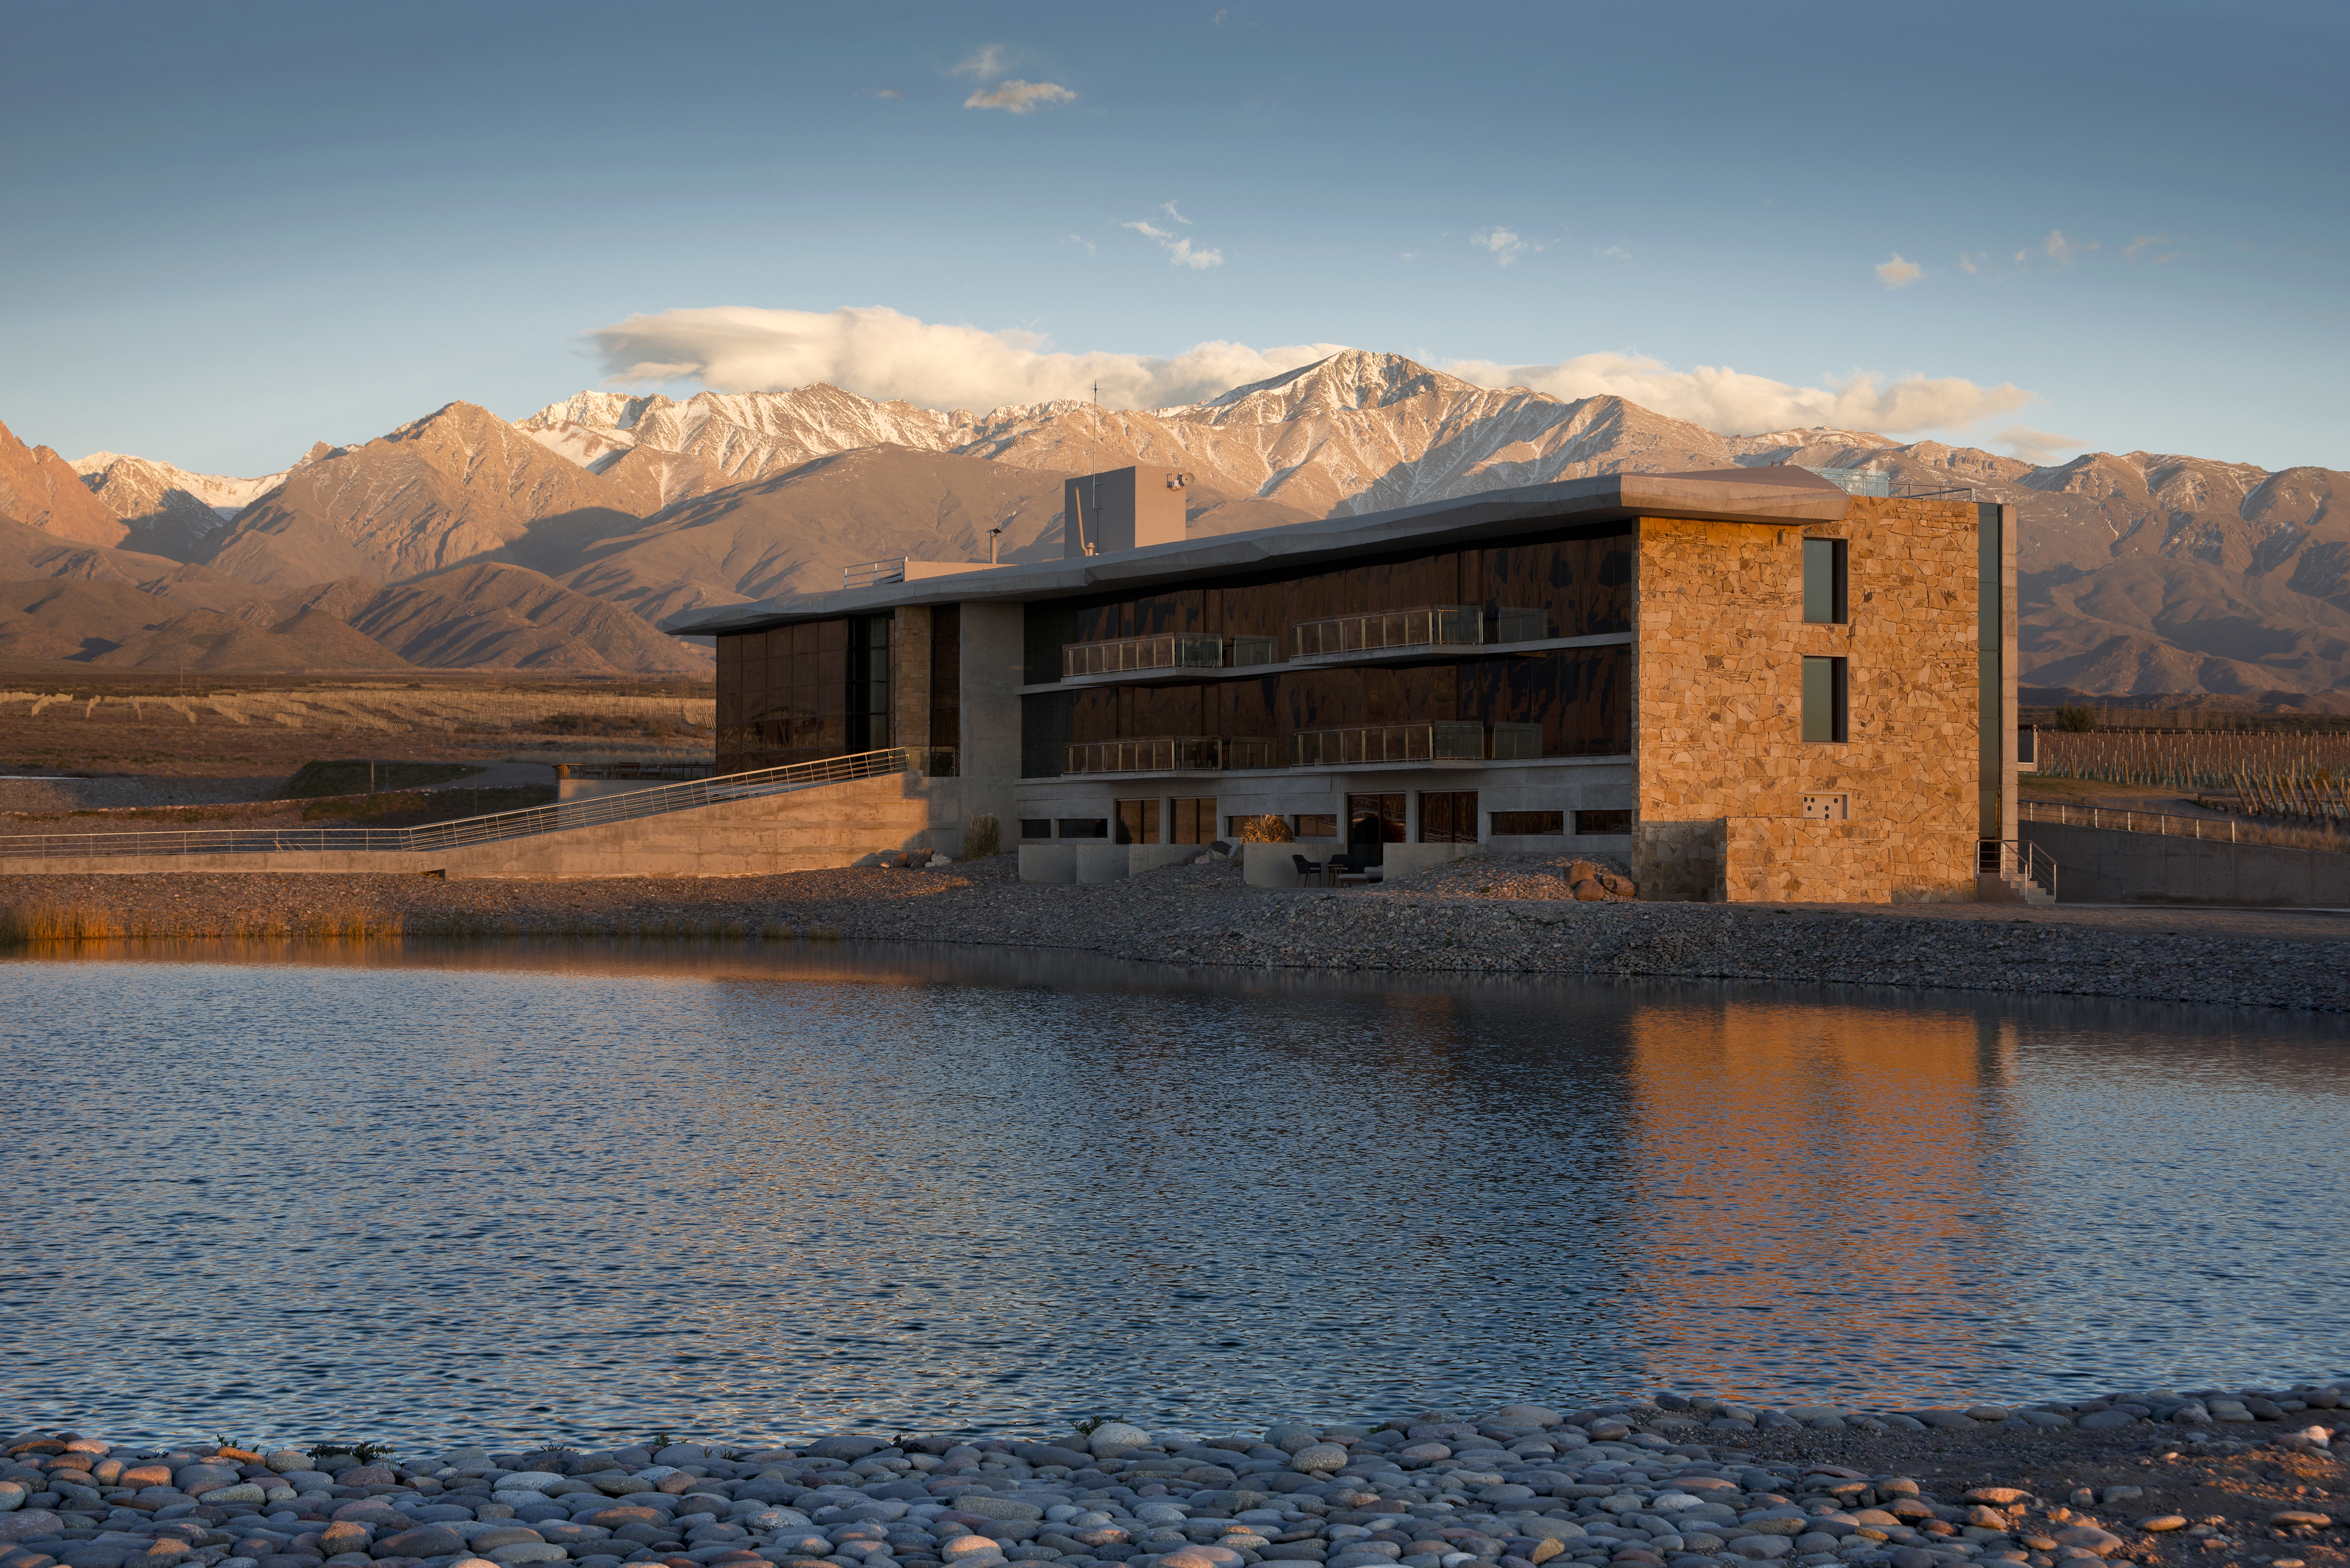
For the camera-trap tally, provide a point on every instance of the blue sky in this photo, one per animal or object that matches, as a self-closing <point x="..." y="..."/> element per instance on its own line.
<point x="233" y="229"/>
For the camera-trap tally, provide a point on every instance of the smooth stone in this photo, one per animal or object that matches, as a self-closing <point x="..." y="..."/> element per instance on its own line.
<point x="2089" y="1538"/>
<point x="2162" y="1523"/>
<point x="2104" y="1420"/>
<point x="29" y="1521"/>
<point x="1002" y="1508"/>
<point x="528" y="1552"/>
<point x="482" y="1540"/>
<point x="1319" y="1457"/>
<point x="2301" y="1516"/>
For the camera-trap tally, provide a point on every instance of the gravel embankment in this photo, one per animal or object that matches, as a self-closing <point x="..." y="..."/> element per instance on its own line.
<point x="1461" y="921"/>
<point x="2213" y="1477"/>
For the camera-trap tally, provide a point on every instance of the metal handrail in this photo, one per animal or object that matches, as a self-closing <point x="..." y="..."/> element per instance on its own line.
<point x="2170" y="825"/>
<point x="873" y="574"/>
<point x="435" y="837"/>
<point x="2016" y="859"/>
<point x="1168" y="754"/>
<point x="1422" y="626"/>
<point x="1444" y="741"/>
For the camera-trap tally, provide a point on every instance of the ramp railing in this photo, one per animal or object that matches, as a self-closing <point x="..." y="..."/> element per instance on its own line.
<point x="437" y="837"/>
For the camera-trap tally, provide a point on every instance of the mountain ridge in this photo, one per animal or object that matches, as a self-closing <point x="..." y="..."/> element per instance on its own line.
<point x="2141" y="572"/>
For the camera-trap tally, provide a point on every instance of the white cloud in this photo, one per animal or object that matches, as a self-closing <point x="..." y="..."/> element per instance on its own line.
<point x="1179" y="248"/>
<point x="1615" y="252"/>
<point x="892" y="93"/>
<point x="1899" y="272"/>
<point x="1505" y="243"/>
<point x="2141" y="243"/>
<point x="986" y="65"/>
<point x="1016" y="97"/>
<point x="1976" y="264"/>
<point x="1169" y="208"/>
<point x="2064" y="252"/>
<point x="1722" y="399"/>
<point x="880" y="353"/>
<point x="1081" y="240"/>
<point x="2041" y="447"/>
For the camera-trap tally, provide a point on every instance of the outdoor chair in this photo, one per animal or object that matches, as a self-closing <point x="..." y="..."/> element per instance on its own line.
<point x="1306" y="869"/>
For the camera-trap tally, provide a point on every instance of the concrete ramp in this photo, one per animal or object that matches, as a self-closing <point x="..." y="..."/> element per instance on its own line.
<point x="807" y="817"/>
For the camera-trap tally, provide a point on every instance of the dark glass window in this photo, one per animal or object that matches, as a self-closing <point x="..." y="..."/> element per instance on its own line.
<point x="1084" y="827"/>
<point x="1138" y="822"/>
<point x="1824" y="705"/>
<point x="1194" y="820"/>
<point x="1316" y="824"/>
<point x="1035" y="828"/>
<point x="785" y="697"/>
<point x="946" y="676"/>
<point x="1448" y="816"/>
<point x="1529" y="824"/>
<point x="1824" y="580"/>
<point x="1605" y="824"/>
<point x="1373" y="822"/>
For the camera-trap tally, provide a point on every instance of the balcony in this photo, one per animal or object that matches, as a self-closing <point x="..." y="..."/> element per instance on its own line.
<point x="1173" y="650"/>
<point x="1451" y="740"/>
<point x="1170" y="754"/>
<point x="1426" y="626"/>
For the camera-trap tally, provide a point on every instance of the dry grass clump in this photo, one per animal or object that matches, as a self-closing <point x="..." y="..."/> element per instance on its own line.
<point x="46" y="922"/>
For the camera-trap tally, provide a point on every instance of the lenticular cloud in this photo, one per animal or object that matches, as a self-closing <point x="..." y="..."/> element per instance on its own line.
<point x="883" y="354"/>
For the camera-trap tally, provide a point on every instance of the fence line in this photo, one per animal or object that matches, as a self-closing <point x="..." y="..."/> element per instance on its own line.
<point x="440" y="836"/>
<point x="2170" y="825"/>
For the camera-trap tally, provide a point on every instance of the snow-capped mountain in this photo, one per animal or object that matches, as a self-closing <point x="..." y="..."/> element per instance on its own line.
<point x="2142" y="572"/>
<point x="171" y="511"/>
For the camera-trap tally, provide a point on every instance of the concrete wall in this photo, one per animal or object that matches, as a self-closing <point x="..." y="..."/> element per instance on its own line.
<point x="2109" y="866"/>
<point x="807" y="830"/>
<point x="1718" y="681"/>
<point x="993" y="654"/>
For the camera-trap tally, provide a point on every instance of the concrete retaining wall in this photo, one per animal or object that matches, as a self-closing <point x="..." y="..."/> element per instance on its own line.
<point x="805" y="830"/>
<point x="2109" y="866"/>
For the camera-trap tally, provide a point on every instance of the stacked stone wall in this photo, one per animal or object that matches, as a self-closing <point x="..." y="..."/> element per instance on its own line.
<point x="1718" y="684"/>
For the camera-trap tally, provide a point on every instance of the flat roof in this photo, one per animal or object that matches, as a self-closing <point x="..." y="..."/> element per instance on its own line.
<point x="1785" y="496"/>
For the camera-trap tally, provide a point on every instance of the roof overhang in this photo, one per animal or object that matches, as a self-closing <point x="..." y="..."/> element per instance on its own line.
<point x="1779" y="498"/>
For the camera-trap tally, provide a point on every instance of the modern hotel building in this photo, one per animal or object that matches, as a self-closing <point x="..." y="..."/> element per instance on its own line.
<point x="1747" y="683"/>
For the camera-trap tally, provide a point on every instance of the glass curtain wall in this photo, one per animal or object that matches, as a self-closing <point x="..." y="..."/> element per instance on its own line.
<point x="1579" y="697"/>
<point x="802" y="694"/>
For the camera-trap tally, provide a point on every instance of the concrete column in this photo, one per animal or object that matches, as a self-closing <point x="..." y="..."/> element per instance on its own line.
<point x="993" y="664"/>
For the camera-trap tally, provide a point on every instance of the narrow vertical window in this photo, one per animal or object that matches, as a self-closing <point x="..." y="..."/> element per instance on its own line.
<point x="1823" y="699"/>
<point x="1823" y="581"/>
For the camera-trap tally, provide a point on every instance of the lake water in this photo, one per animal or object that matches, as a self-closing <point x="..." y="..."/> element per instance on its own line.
<point x="586" y="1192"/>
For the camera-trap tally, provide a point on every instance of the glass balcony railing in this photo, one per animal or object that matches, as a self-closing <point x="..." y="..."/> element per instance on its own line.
<point x="1446" y="741"/>
<point x="1170" y="754"/>
<point x="1165" y="650"/>
<point x="1427" y="626"/>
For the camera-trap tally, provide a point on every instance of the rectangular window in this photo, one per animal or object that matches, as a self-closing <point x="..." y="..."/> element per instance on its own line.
<point x="1138" y="822"/>
<point x="1084" y="827"/>
<point x="1256" y="829"/>
<point x="1373" y="822"/>
<point x="1195" y="820"/>
<point x="1448" y="816"/>
<point x="1603" y="824"/>
<point x="1823" y="581"/>
<point x="1824" y="706"/>
<point x="1035" y="828"/>
<point x="1317" y="825"/>
<point x="1529" y="824"/>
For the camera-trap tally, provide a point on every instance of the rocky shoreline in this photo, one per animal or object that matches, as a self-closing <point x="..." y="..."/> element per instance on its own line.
<point x="2213" y="1477"/>
<point x="1490" y="915"/>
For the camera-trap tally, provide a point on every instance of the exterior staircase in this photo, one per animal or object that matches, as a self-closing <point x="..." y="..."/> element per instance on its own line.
<point x="2014" y="871"/>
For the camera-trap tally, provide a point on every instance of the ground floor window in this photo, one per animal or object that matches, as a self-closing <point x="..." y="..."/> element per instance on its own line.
<point x="1195" y="820"/>
<point x="1448" y="816"/>
<point x="1530" y="824"/>
<point x="1258" y="830"/>
<point x="1035" y="828"/>
<point x="1317" y="825"/>
<point x="1603" y="824"/>
<point x="1084" y="827"/>
<point x="1138" y="821"/>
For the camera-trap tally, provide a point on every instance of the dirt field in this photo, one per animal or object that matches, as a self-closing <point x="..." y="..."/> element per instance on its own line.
<point x="106" y="724"/>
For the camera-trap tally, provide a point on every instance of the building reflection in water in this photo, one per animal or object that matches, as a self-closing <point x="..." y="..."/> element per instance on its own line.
<point x="1843" y="1169"/>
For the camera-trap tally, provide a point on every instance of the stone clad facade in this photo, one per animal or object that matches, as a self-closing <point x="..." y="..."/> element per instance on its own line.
<point x="1724" y="767"/>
